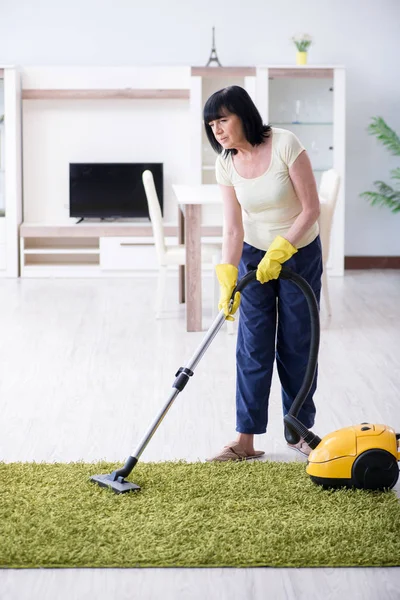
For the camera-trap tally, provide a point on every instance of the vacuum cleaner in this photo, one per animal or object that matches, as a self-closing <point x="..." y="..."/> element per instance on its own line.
<point x="362" y="456"/>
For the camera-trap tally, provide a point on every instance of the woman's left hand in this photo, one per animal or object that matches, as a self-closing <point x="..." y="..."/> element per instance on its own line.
<point x="270" y="266"/>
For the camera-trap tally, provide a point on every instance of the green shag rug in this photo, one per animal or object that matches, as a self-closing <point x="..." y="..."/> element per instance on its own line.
<point x="191" y="515"/>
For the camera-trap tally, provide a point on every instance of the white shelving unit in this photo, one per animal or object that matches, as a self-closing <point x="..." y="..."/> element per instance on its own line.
<point x="10" y="170"/>
<point x="116" y="108"/>
<point x="3" y="263"/>
<point x="2" y="190"/>
<point x="310" y="101"/>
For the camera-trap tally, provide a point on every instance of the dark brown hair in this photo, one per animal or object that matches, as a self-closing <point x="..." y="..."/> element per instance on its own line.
<point x="234" y="99"/>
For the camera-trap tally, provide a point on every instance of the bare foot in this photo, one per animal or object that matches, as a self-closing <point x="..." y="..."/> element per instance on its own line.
<point x="246" y="441"/>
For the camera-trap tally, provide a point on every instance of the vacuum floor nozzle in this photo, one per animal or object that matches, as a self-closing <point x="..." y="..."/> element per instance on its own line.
<point x="119" y="486"/>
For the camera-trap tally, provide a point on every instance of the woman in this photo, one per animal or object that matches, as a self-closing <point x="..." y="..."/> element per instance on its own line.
<point x="271" y="208"/>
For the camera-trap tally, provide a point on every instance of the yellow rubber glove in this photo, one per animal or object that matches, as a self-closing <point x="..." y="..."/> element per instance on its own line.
<point x="270" y="266"/>
<point x="227" y="276"/>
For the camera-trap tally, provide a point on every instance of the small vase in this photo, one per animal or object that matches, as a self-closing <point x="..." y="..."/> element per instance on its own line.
<point x="301" y="58"/>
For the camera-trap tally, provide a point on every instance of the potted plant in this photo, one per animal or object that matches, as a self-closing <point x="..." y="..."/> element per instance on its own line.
<point x="385" y="194"/>
<point x="302" y="42"/>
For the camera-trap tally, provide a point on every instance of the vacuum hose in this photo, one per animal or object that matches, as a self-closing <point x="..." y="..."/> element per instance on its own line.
<point x="294" y="429"/>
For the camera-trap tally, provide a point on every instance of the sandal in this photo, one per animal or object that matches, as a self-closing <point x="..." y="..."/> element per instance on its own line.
<point x="301" y="447"/>
<point x="234" y="451"/>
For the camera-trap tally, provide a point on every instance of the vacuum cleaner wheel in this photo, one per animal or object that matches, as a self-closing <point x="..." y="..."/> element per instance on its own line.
<point x="375" y="470"/>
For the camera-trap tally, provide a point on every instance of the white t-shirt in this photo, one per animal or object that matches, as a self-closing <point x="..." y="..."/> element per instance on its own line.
<point x="269" y="202"/>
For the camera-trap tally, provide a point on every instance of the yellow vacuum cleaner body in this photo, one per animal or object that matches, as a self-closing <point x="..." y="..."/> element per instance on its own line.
<point x="363" y="456"/>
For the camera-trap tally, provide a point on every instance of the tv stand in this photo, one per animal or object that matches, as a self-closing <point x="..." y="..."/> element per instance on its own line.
<point x="79" y="220"/>
<point x="94" y="249"/>
<point x="101" y="249"/>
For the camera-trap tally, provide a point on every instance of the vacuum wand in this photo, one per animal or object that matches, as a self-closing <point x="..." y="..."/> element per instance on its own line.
<point x="182" y="378"/>
<point x="116" y="479"/>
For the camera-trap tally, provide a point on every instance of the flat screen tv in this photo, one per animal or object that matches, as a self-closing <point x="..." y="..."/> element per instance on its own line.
<point x="111" y="190"/>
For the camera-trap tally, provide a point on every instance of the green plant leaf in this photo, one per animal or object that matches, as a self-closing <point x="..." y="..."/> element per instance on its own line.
<point x="395" y="173"/>
<point x="385" y="134"/>
<point x="303" y="46"/>
<point x="385" y="189"/>
<point x="386" y="196"/>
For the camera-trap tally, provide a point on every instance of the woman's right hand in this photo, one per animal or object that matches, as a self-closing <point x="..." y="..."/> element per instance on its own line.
<point x="227" y="276"/>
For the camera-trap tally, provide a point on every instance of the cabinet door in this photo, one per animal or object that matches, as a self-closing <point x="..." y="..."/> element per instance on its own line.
<point x="305" y="107"/>
<point x="11" y="163"/>
<point x="2" y="194"/>
<point x="2" y="189"/>
<point x="310" y="103"/>
<point x="126" y="253"/>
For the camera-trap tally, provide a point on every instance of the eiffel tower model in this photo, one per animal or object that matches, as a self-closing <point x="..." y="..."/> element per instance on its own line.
<point x="213" y="61"/>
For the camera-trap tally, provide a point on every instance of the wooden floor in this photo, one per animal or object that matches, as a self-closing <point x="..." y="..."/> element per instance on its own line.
<point x="84" y="368"/>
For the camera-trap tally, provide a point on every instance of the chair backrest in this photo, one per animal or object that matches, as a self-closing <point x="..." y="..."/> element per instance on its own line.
<point x="155" y="214"/>
<point x="329" y="186"/>
<point x="328" y="193"/>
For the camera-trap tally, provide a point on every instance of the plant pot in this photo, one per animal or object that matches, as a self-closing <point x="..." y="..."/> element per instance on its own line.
<point x="301" y="58"/>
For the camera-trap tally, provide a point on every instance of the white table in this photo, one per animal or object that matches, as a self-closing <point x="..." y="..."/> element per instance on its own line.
<point x="190" y="199"/>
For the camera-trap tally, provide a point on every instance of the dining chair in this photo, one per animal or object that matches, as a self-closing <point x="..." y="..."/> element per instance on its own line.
<point x="328" y="193"/>
<point x="172" y="255"/>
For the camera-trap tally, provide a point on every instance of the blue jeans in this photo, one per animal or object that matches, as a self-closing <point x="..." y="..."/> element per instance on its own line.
<point x="274" y="323"/>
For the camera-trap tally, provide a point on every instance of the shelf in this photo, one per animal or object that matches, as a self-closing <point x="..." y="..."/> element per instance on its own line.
<point x="62" y="260"/>
<point x="62" y="251"/>
<point x="302" y="72"/>
<point x="124" y="94"/>
<point x="223" y="71"/>
<point x="97" y="230"/>
<point x="86" y="230"/>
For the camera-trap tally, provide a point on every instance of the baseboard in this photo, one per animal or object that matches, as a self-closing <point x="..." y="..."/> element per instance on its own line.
<point x="372" y="262"/>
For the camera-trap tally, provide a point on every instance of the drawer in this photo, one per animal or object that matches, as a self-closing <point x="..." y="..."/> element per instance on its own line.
<point x="2" y="230"/>
<point x="120" y="253"/>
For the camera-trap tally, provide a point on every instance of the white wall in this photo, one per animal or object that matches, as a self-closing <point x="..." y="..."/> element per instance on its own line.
<point x="59" y="132"/>
<point x="363" y="36"/>
<point x="94" y="131"/>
